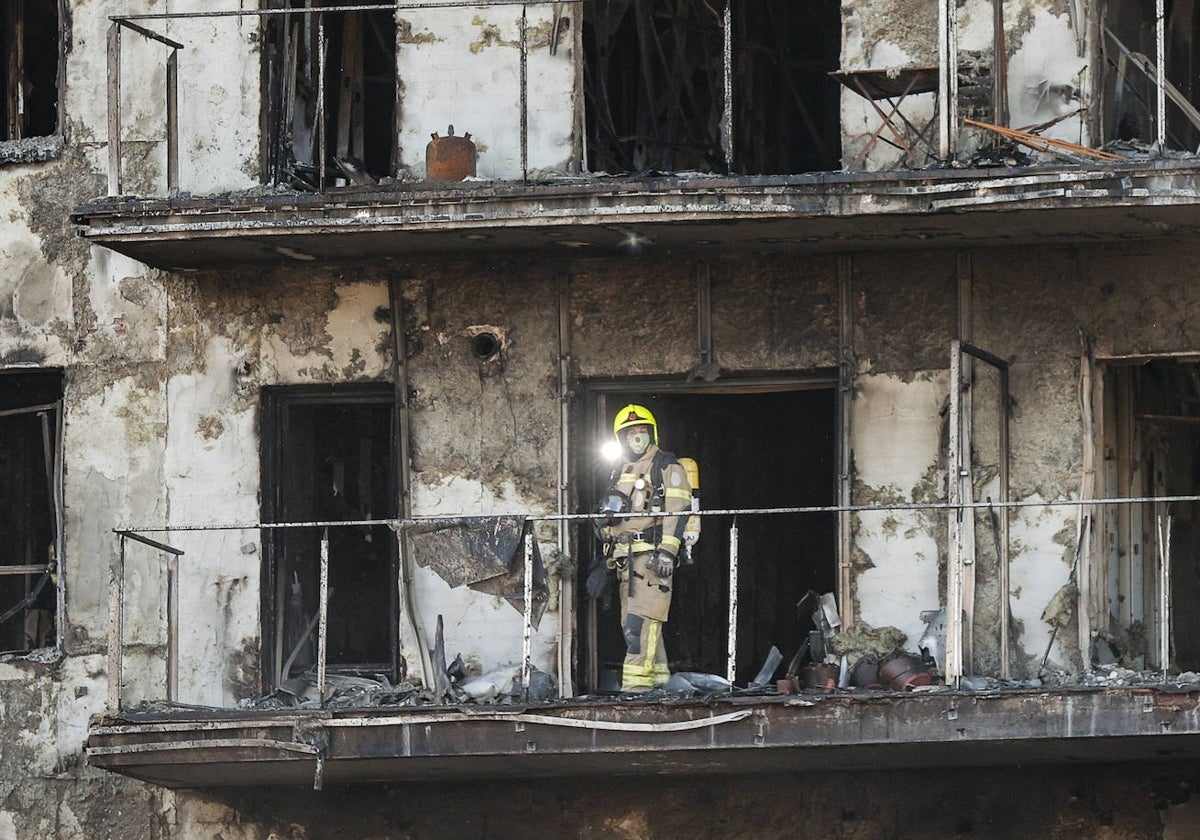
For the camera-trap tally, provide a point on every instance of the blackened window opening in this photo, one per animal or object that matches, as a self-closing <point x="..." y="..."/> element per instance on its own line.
<point x="30" y="414"/>
<point x="1130" y="94"/>
<point x="358" y="110"/>
<point x="29" y="40"/>
<point x="654" y="79"/>
<point x="328" y="457"/>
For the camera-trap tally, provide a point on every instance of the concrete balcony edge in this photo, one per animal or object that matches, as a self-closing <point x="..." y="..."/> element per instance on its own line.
<point x="786" y="733"/>
<point x="612" y="217"/>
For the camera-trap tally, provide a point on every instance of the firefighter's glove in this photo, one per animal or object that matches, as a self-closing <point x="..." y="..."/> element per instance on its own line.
<point x="597" y="580"/>
<point x="603" y="529"/>
<point x="663" y="564"/>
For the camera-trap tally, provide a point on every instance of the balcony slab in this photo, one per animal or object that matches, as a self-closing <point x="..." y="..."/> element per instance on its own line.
<point x="696" y="216"/>
<point x="190" y="748"/>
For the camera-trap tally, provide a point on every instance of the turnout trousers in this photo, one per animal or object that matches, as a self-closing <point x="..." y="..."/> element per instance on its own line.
<point x="645" y="604"/>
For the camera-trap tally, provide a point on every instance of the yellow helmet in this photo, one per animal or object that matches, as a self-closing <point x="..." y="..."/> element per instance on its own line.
<point x="634" y="415"/>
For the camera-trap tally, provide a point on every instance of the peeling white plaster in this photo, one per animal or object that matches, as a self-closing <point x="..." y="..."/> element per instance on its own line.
<point x="1037" y="572"/>
<point x="355" y="333"/>
<point x="485" y="629"/>
<point x="210" y="481"/>
<point x="83" y="692"/>
<point x="1038" y="72"/>
<point x="353" y="347"/>
<point x="896" y="428"/>
<point x="464" y="70"/>
<point x="903" y="580"/>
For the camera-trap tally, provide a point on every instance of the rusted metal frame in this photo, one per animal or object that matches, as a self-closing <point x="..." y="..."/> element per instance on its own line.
<point x="114" y="108"/>
<point x="965" y="474"/>
<point x="1087" y="570"/>
<point x="147" y="33"/>
<point x="409" y="622"/>
<point x="31" y="409"/>
<point x="566" y="593"/>
<point x="322" y="46"/>
<point x="727" y="79"/>
<point x="947" y="78"/>
<point x="323" y="620"/>
<point x="955" y="560"/>
<point x="1046" y="144"/>
<point x="173" y="121"/>
<point x="173" y="628"/>
<point x="847" y="370"/>
<point x="704" y="328"/>
<point x="172" y="604"/>
<point x="14" y="61"/>
<point x="367" y="7"/>
<point x="350" y="81"/>
<point x="1003" y="492"/>
<point x="114" y="102"/>
<point x="1160" y="59"/>
<point x="885" y="121"/>
<point x="116" y="618"/>
<point x="527" y="612"/>
<point x="524" y="74"/>
<point x="731" y="639"/>
<point x="31" y="569"/>
<point x="999" y="65"/>
<point x="1163" y="520"/>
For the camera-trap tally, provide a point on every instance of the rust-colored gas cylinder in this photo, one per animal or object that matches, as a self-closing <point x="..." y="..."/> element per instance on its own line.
<point x="449" y="158"/>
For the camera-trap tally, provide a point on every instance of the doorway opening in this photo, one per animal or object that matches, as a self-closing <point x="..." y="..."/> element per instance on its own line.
<point x="757" y="447"/>
<point x="1152" y="449"/>
<point x="328" y="456"/>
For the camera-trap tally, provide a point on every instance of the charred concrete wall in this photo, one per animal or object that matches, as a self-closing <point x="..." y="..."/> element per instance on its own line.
<point x="164" y="374"/>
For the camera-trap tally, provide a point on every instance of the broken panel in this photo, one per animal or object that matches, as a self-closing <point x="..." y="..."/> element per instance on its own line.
<point x="30" y="425"/>
<point x="29" y="47"/>
<point x="331" y="96"/>
<point x="656" y="75"/>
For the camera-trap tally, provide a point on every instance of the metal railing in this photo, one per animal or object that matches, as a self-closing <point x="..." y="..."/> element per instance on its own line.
<point x="1161" y="602"/>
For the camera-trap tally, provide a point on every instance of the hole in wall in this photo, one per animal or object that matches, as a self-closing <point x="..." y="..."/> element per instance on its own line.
<point x="485" y="345"/>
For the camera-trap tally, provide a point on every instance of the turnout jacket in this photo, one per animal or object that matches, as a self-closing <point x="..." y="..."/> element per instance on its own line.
<point x="654" y="484"/>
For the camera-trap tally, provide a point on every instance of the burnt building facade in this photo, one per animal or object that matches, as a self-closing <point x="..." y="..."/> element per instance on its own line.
<point x="300" y="298"/>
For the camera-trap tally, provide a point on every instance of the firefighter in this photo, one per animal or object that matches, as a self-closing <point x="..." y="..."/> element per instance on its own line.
<point x="643" y="547"/>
